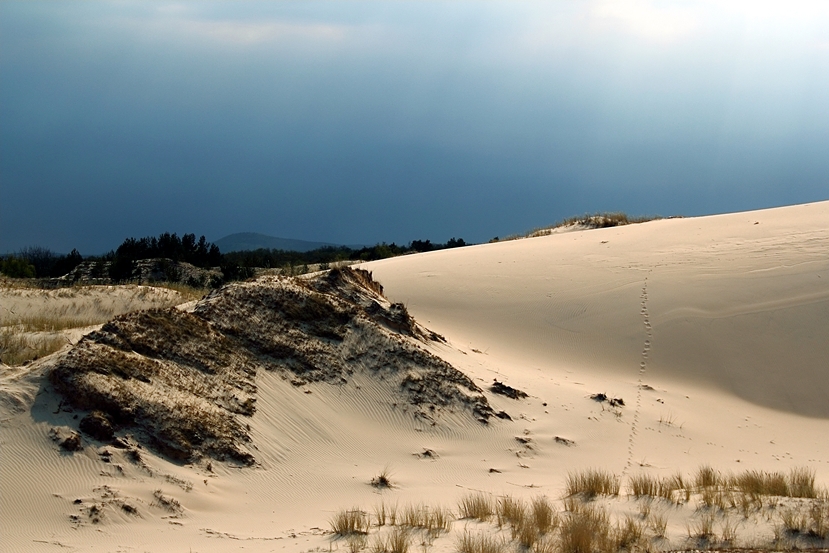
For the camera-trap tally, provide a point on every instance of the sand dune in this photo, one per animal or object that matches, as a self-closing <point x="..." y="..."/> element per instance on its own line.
<point x="712" y="331"/>
<point x="739" y="302"/>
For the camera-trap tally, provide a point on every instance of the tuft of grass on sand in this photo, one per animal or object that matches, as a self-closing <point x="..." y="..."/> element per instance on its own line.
<point x="544" y="515"/>
<point x="702" y="529"/>
<point x="476" y="506"/>
<point x="591" y="483"/>
<point x="398" y="541"/>
<point x="434" y="520"/>
<point x="585" y="530"/>
<point x="509" y="511"/>
<point x="658" y="524"/>
<point x="480" y="543"/>
<point x="349" y="522"/>
<point x="707" y="477"/>
<point x="643" y="485"/>
<point x="801" y="483"/>
<point x="382" y="480"/>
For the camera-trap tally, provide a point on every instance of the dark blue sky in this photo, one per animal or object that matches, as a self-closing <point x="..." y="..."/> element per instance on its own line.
<point x="360" y="122"/>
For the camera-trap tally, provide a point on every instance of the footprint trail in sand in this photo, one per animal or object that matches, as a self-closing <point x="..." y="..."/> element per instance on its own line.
<point x="642" y="367"/>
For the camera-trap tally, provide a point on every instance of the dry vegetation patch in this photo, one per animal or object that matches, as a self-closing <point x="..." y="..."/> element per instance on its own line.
<point x="183" y="381"/>
<point x="604" y="523"/>
<point x="35" y="322"/>
<point x="591" y="483"/>
<point x="478" y="506"/>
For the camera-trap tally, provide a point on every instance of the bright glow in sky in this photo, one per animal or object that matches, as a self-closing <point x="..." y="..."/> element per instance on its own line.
<point x="360" y="122"/>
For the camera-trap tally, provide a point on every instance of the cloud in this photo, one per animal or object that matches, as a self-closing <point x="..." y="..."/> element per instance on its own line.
<point x="196" y="23"/>
<point x="247" y="32"/>
<point x="649" y="20"/>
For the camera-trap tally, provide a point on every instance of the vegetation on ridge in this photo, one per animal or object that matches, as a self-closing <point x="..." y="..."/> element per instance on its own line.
<point x="184" y="380"/>
<point x="120" y="265"/>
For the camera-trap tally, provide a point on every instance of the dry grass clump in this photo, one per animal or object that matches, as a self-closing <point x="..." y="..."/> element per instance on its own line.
<point x="722" y="498"/>
<point x="586" y="529"/>
<point x="398" y="541"/>
<point x="802" y="483"/>
<point x="658" y="524"/>
<point x="744" y="491"/>
<point x="643" y="485"/>
<point x="528" y="523"/>
<point x="439" y="520"/>
<point x="476" y="506"/>
<point x="670" y="488"/>
<point x="382" y="480"/>
<point x="509" y="511"/>
<point x="385" y="513"/>
<point x="480" y="543"/>
<point x="819" y="515"/>
<point x="351" y="521"/>
<point x="707" y="477"/>
<point x="702" y="529"/>
<point x="728" y="532"/>
<point x="167" y="503"/>
<point x="629" y="534"/>
<point x="591" y="483"/>
<point x="356" y="543"/>
<point x="810" y="521"/>
<point x="414" y="516"/>
<point x="756" y="483"/>
<point x="432" y="519"/>
<point x="544" y="515"/>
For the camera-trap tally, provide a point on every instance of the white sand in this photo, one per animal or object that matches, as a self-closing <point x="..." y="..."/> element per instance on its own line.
<point x="725" y="317"/>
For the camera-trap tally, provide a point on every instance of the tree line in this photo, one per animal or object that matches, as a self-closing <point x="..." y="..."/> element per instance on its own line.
<point x="37" y="262"/>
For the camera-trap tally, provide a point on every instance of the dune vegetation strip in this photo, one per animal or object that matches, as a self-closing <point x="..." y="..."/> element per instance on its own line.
<point x="584" y="222"/>
<point x="183" y="382"/>
<point x="36" y="322"/>
<point x="588" y="519"/>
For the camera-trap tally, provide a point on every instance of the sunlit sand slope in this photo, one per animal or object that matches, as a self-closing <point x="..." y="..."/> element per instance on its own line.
<point x="739" y="301"/>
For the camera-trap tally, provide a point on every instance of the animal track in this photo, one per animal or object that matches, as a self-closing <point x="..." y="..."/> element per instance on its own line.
<point x="642" y="367"/>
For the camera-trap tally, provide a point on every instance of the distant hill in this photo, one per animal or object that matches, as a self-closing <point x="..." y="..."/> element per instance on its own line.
<point x="245" y="241"/>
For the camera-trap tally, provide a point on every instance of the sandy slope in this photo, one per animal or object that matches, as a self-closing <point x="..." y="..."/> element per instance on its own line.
<point x="738" y="302"/>
<point x="725" y="319"/>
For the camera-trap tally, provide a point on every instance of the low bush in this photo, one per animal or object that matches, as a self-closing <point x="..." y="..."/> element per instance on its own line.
<point x="16" y="267"/>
